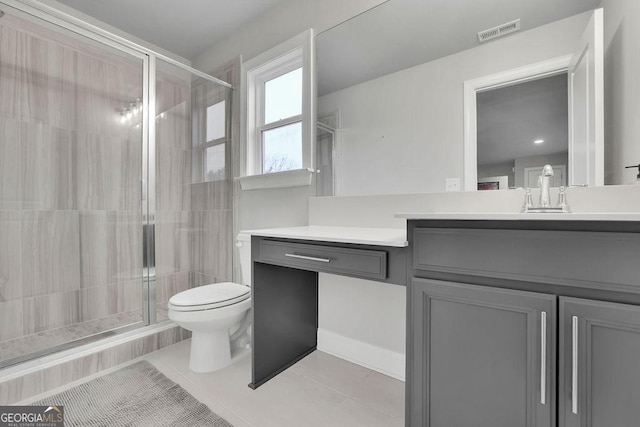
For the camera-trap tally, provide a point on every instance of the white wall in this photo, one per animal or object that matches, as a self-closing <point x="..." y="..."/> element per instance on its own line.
<point x="403" y="133"/>
<point x="621" y="89"/>
<point x="363" y="321"/>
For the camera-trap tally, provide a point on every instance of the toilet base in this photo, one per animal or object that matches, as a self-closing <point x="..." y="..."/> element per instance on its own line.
<point x="210" y="351"/>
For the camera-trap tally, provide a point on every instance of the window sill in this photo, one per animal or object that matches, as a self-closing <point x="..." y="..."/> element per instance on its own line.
<point x="292" y="178"/>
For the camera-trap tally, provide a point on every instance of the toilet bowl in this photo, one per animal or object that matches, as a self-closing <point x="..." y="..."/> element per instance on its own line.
<point x="212" y="313"/>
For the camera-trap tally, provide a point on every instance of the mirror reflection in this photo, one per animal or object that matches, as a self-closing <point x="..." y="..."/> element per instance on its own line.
<point x="395" y="77"/>
<point x="521" y="128"/>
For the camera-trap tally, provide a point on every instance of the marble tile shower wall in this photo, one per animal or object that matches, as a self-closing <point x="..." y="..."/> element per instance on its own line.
<point x="70" y="209"/>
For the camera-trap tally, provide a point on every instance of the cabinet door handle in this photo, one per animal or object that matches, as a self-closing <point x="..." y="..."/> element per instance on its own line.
<point x="574" y="365"/>
<point x="543" y="357"/>
<point x="308" y="258"/>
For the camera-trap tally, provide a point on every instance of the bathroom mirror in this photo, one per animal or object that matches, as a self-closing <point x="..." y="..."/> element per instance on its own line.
<point x="395" y="76"/>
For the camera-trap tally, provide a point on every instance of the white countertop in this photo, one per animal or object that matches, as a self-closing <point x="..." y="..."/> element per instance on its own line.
<point x="396" y="237"/>
<point x="523" y="216"/>
<point x="358" y="235"/>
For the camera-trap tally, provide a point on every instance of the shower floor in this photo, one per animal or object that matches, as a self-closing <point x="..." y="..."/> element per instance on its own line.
<point x="37" y="344"/>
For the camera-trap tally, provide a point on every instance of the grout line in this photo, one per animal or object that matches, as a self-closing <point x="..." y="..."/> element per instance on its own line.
<point x="375" y="408"/>
<point x="211" y="397"/>
<point x="346" y="396"/>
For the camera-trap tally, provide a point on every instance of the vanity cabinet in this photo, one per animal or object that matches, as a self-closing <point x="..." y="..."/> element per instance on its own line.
<point x="482" y="356"/>
<point x="600" y="364"/>
<point x="498" y="335"/>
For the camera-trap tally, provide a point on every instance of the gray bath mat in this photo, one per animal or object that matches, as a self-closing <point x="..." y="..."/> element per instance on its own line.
<point x="138" y="395"/>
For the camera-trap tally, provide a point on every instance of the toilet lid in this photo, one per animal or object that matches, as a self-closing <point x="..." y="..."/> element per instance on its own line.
<point x="217" y="294"/>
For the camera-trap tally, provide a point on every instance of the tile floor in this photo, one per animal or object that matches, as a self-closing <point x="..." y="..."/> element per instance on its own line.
<point x="320" y="390"/>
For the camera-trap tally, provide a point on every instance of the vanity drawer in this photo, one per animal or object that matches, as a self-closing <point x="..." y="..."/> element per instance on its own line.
<point x="365" y="263"/>
<point x="597" y="260"/>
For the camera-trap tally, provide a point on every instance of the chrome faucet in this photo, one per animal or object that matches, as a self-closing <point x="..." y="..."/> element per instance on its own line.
<point x="543" y="183"/>
<point x="545" y="197"/>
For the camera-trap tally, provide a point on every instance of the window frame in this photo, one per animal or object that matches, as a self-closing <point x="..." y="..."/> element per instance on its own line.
<point x="283" y="66"/>
<point x="214" y="142"/>
<point x="297" y="52"/>
<point x="201" y="146"/>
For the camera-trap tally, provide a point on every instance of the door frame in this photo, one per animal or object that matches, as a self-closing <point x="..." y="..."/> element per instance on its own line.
<point x="547" y="68"/>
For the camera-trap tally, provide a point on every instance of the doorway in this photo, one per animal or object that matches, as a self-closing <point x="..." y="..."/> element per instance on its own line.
<point x="521" y="127"/>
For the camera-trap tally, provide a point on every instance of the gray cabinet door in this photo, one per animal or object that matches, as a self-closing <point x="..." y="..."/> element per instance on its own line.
<point x="480" y="356"/>
<point x="599" y="364"/>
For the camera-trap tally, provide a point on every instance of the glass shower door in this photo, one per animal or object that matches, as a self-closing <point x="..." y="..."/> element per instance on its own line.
<point x="71" y="166"/>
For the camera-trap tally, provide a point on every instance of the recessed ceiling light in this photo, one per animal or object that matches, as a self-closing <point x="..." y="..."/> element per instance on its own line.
<point x="538" y="141"/>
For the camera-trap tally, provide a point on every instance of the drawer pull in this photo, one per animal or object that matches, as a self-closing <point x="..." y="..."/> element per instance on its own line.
<point x="308" y="258"/>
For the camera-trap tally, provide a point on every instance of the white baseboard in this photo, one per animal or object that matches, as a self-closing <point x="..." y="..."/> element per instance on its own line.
<point x="375" y="358"/>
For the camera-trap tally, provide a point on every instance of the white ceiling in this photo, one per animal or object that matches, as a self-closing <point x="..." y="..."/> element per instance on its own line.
<point x="512" y="117"/>
<point x="399" y="34"/>
<point x="186" y="28"/>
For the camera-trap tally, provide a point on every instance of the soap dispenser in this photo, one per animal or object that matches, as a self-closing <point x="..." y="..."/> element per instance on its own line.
<point x="638" y="175"/>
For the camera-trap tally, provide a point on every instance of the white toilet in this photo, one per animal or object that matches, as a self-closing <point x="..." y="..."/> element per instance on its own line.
<point x="215" y="314"/>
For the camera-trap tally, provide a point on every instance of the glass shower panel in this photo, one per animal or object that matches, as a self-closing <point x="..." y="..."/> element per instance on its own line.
<point x="70" y="188"/>
<point x="212" y="160"/>
<point x="172" y="178"/>
<point x="193" y="206"/>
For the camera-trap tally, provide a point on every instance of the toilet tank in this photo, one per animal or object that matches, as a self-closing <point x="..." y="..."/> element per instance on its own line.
<point x="243" y="243"/>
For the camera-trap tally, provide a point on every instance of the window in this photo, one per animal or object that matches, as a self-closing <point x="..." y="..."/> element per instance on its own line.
<point x="281" y="131"/>
<point x="216" y="121"/>
<point x="210" y="134"/>
<point x="280" y="112"/>
<point x="283" y="96"/>
<point x="214" y="161"/>
<point x="214" y="156"/>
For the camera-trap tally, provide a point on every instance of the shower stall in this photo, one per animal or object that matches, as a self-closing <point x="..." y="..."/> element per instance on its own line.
<point x="116" y="172"/>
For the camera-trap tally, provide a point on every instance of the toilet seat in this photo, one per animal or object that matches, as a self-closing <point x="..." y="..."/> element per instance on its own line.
<point x="209" y="297"/>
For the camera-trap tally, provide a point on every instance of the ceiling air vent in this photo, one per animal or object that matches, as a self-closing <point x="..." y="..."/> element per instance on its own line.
<point x="499" y="31"/>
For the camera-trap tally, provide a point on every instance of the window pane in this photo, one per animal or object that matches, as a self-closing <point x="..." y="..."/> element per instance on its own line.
<point x="216" y="121"/>
<point x="283" y="96"/>
<point x="282" y="148"/>
<point x="214" y="163"/>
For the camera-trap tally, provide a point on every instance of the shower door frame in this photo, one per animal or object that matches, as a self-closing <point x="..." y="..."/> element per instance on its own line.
<point x="149" y="59"/>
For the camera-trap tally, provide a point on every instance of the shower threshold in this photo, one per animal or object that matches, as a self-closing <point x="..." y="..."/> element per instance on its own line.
<point x="44" y="343"/>
<point x="68" y="345"/>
